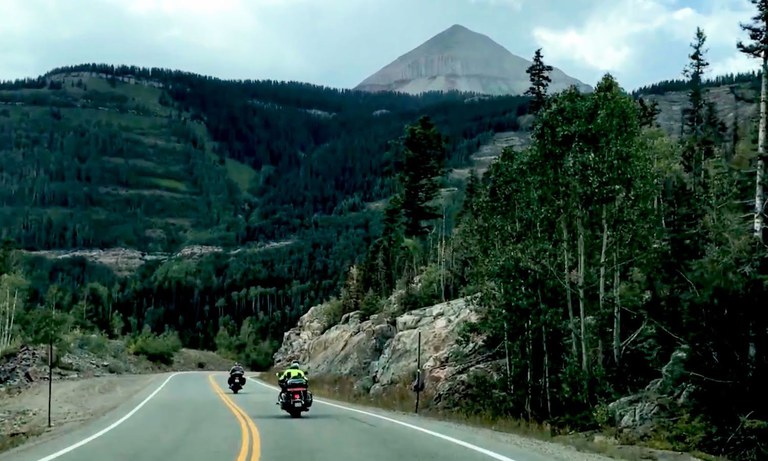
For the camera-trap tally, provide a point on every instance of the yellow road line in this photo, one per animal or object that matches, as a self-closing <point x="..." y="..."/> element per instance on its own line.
<point x="243" y="455"/>
<point x="244" y="420"/>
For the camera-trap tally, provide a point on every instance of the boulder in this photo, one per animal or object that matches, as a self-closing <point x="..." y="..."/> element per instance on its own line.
<point x="380" y="352"/>
<point x="636" y="416"/>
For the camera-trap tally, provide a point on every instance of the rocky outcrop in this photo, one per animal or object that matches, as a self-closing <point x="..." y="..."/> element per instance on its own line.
<point x="636" y="416"/>
<point x="22" y="367"/>
<point x="125" y="261"/>
<point x="381" y="352"/>
<point x="734" y="104"/>
<point x="459" y="59"/>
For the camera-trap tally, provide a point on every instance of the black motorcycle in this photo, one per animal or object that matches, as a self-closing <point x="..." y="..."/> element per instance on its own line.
<point x="236" y="381"/>
<point x="295" y="398"/>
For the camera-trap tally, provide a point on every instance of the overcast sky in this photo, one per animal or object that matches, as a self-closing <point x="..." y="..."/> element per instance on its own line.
<point x="340" y="42"/>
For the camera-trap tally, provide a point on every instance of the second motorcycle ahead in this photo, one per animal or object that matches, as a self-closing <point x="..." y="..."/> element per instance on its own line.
<point x="236" y="378"/>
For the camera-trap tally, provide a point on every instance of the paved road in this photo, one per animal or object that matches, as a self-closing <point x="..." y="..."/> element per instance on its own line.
<point x="190" y="417"/>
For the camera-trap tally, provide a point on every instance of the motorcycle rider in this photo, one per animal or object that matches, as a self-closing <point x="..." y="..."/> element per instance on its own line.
<point x="293" y="371"/>
<point x="235" y="372"/>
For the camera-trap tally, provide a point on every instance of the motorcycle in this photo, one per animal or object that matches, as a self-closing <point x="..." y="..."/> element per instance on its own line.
<point x="236" y="381"/>
<point x="295" y="398"/>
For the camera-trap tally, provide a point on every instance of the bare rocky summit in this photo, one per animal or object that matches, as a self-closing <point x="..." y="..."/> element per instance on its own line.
<point x="461" y="60"/>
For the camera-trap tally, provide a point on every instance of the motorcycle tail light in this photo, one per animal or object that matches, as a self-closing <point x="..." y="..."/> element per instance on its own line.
<point x="296" y="396"/>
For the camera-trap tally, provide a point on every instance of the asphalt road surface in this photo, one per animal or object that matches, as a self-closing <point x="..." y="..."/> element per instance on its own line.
<point x="194" y="417"/>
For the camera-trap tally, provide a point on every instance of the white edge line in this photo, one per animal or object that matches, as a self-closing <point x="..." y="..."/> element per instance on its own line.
<point x="484" y="451"/>
<point x="79" y="444"/>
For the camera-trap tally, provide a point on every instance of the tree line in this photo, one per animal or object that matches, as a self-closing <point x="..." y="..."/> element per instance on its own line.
<point x="604" y="256"/>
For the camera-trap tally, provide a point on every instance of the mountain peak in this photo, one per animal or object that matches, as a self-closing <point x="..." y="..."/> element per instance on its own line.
<point x="456" y="28"/>
<point x="460" y="59"/>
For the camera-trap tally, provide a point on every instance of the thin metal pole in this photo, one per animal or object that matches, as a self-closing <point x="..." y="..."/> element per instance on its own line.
<point x="418" y="372"/>
<point x="50" y="365"/>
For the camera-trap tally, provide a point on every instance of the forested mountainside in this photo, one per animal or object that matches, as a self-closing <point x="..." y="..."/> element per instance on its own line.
<point x="616" y="273"/>
<point x="277" y="183"/>
<point x="593" y="265"/>
<point x="683" y="85"/>
<point x="306" y="149"/>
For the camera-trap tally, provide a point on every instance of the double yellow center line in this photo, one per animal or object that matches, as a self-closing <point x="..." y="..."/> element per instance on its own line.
<point x="247" y="427"/>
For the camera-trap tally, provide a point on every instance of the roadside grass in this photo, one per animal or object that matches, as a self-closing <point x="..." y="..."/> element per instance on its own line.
<point x="15" y="439"/>
<point x="401" y="399"/>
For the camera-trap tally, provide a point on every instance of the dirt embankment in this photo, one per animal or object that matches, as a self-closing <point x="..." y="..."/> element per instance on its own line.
<point x="86" y="385"/>
<point x="73" y="402"/>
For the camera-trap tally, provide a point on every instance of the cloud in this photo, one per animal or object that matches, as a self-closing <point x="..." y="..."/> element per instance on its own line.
<point x="514" y="4"/>
<point x="626" y="36"/>
<point x="340" y="42"/>
<point x="734" y="64"/>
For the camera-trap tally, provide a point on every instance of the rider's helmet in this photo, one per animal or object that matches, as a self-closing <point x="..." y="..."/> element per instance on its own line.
<point x="295" y="365"/>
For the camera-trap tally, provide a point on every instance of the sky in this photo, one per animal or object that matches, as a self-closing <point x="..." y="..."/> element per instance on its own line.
<point x="339" y="43"/>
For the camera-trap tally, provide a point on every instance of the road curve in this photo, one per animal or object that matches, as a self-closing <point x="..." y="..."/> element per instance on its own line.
<point x="194" y="417"/>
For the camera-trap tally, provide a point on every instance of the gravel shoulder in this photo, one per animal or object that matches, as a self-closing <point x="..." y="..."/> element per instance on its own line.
<point x="90" y="380"/>
<point x="24" y="416"/>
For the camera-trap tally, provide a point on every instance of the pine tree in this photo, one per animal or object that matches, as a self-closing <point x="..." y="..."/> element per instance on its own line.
<point x="702" y="128"/>
<point x="538" y="73"/>
<point x="648" y="112"/>
<point x="758" y="48"/>
<point x="694" y="71"/>
<point x="423" y="166"/>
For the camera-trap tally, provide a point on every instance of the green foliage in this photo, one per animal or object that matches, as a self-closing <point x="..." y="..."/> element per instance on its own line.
<point x="422" y="168"/>
<point x="598" y="253"/>
<point x="156" y="348"/>
<point x="371" y="304"/>
<point x="113" y="160"/>
<point x="538" y="74"/>
<point x="333" y="311"/>
<point x="246" y="346"/>
<point x="665" y="86"/>
<point x="96" y="344"/>
<point x="426" y="291"/>
<point x="352" y="293"/>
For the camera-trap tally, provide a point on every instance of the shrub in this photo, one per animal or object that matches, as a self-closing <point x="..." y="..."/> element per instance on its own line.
<point x="157" y="348"/>
<point x="95" y="344"/>
<point x="258" y="356"/>
<point x="371" y="304"/>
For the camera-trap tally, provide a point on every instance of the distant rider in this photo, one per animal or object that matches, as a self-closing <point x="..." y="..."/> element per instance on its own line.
<point x="294" y="371"/>
<point x="235" y="372"/>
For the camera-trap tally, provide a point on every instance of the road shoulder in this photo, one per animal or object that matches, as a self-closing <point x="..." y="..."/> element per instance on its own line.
<point x="562" y="449"/>
<point x="24" y="417"/>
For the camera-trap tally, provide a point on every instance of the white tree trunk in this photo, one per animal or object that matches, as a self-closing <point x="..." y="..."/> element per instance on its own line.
<point x="603" y="251"/>
<point x="546" y="370"/>
<point x="582" y="294"/>
<point x="5" y="317"/>
<point x="529" y="353"/>
<point x="616" y="310"/>
<point x="569" y="297"/>
<point x="508" y="359"/>
<point x="760" y="173"/>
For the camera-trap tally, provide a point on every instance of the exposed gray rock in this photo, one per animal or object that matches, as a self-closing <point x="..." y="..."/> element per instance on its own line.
<point x="125" y="261"/>
<point x="734" y="103"/>
<point x="463" y="60"/>
<point x="636" y="416"/>
<point x="22" y="368"/>
<point x="382" y="351"/>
